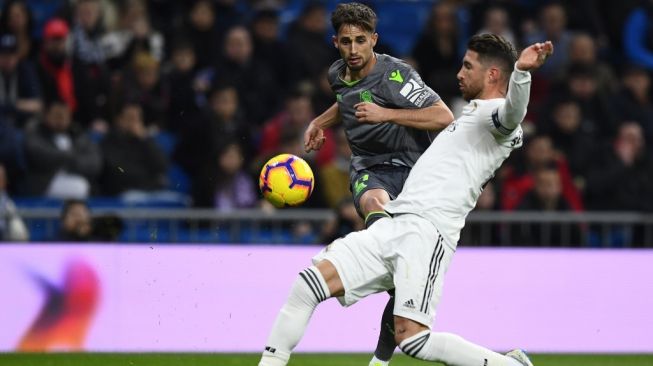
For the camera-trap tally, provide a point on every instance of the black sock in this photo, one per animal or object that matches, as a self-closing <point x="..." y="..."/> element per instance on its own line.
<point x="373" y="216"/>
<point x="386" y="345"/>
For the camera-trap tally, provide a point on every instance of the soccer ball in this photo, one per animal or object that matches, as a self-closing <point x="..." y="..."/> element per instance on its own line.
<point x="286" y="180"/>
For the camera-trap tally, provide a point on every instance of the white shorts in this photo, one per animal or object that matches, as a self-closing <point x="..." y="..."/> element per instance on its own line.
<point x="405" y="252"/>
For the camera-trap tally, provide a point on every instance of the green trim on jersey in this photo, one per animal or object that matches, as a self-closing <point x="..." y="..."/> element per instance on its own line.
<point x="349" y="83"/>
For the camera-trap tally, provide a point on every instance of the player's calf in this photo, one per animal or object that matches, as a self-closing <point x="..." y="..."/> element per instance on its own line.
<point x="310" y="288"/>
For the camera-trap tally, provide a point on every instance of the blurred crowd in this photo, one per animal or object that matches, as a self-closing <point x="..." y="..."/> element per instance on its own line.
<point x="103" y="98"/>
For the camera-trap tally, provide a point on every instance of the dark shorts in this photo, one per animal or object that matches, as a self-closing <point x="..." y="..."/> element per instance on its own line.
<point x="390" y="178"/>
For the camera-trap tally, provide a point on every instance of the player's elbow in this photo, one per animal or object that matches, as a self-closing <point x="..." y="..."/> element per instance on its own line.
<point x="441" y="119"/>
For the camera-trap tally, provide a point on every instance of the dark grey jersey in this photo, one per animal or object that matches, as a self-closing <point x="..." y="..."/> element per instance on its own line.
<point x="391" y="84"/>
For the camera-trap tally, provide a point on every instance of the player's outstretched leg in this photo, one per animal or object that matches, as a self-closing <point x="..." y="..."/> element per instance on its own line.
<point x="419" y="342"/>
<point x="386" y="344"/>
<point x="520" y="356"/>
<point x="309" y="289"/>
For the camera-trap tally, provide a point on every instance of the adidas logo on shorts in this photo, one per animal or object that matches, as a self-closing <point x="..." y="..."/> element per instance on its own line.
<point x="409" y="304"/>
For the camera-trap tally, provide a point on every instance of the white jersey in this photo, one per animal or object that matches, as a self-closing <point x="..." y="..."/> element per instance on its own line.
<point x="448" y="178"/>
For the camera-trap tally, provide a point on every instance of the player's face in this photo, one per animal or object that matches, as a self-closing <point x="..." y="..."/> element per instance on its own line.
<point x="355" y="46"/>
<point x="472" y="75"/>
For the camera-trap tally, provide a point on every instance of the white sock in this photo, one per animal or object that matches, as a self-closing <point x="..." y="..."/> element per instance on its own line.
<point x="307" y="292"/>
<point x="452" y="350"/>
<point x="376" y="362"/>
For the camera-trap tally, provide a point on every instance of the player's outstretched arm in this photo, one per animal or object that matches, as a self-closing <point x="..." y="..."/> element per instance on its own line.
<point x="314" y="134"/>
<point x="512" y="113"/>
<point x="534" y="56"/>
<point x="433" y="118"/>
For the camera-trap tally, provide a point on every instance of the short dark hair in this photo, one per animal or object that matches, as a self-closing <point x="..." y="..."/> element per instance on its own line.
<point x="356" y="14"/>
<point x="494" y="48"/>
<point x="68" y="205"/>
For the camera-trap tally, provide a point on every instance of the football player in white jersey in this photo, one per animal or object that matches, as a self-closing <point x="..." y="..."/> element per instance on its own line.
<point x="412" y="250"/>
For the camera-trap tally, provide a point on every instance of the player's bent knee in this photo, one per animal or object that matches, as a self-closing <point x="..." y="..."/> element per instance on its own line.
<point x="413" y="346"/>
<point x="406" y="328"/>
<point x="311" y="287"/>
<point x="374" y="200"/>
<point x="331" y="277"/>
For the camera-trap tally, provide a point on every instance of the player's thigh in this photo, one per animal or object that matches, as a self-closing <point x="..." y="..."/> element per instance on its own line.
<point x="360" y="263"/>
<point x="421" y="263"/>
<point x="362" y="182"/>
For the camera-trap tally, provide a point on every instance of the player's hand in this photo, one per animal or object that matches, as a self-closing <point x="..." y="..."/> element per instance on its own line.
<point x="370" y="113"/>
<point x="534" y="56"/>
<point x="313" y="138"/>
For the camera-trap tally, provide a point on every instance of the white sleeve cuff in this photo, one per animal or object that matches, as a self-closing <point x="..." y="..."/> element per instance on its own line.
<point x="520" y="76"/>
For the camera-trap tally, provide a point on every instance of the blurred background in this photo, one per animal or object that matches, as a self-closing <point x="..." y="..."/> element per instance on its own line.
<point x="158" y="115"/>
<point x="148" y="121"/>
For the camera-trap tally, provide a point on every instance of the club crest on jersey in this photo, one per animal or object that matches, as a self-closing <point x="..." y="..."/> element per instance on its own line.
<point x="414" y="92"/>
<point x="366" y="96"/>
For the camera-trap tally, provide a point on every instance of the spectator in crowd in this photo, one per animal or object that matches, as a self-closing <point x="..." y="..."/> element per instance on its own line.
<point x="256" y="82"/>
<point x="55" y="64"/>
<point x="132" y="159"/>
<point x="638" y="35"/>
<point x="519" y="179"/>
<point x="148" y="89"/>
<point x="322" y="95"/>
<point x="582" y="51"/>
<point x="219" y="123"/>
<point x="497" y="21"/>
<point x="134" y="36"/>
<point x="90" y="70"/>
<point x="334" y="175"/>
<point x="597" y="108"/>
<point x="180" y="78"/>
<point x="635" y="102"/>
<point x="553" y="27"/>
<point x="437" y="51"/>
<point x="226" y="185"/>
<point x="307" y="39"/>
<point x="571" y="136"/>
<point x="201" y="30"/>
<point x="12" y="155"/>
<point x="19" y="86"/>
<point x="622" y="179"/>
<point x="12" y="227"/>
<point x="296" y="116"/>
<point x="16" y="19"/>
<point x="76" y="224"/>
<point x="269" y="48"/>
<point x="63" y="162"/>
<point x="546" y="196"/>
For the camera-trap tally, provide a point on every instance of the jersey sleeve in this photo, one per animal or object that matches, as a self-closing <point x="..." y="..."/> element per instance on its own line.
<point x="509" y="115"/>
<point x="405" y="89"/>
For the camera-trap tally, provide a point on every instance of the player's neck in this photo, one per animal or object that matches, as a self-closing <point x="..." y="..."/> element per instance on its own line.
<point x="492" y="93"/>
<point x="354" y="75"/>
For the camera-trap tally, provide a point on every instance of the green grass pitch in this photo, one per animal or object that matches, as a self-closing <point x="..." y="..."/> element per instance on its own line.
<point x="212" y="359"/>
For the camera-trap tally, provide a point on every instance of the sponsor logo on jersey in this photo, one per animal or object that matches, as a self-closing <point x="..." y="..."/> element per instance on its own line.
<point x="410" y="304"/>
<point x="396" y="76"/>
<point x="414" y="92"/>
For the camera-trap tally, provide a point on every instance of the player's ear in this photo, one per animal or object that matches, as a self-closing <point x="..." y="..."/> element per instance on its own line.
<point x="334" y="39"/>
<point x="375" y="37"/>
<point x="493" y="75"/>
